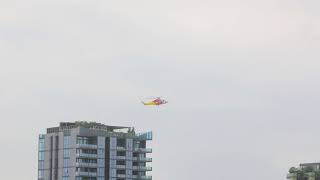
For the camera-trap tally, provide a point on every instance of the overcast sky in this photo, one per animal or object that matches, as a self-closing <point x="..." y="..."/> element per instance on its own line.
<point x="241" y="78"/>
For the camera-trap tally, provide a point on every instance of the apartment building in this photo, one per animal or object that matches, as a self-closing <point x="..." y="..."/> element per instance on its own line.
<point x="93" y="151"/>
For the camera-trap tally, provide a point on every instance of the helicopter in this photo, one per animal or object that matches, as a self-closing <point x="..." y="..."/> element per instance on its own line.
<point x="154" y="101"/>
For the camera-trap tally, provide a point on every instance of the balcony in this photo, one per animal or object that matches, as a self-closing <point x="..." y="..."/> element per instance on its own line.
<point x="87" y="146"/>
<point x="121" y="176"/>
<point x="142" y="159"/>
<point x="120" y="158"/>
<point x="145" y="177"/>
<point x="142" y="177"/>
<point x="119" y="148"/>
<point x="121" y="167"/>
<point x="141" y="168"/>
<point x="84" y="155"/>
<point x="86" y="164"/>
<point x="87" y="174"/>
<point x="143" y="150"/>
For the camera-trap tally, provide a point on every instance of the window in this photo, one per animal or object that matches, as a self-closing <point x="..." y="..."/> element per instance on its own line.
<point x="82" y="140"/>
<point x="113" y="173"/>
<point x="66" y="153"/>
<point x="113" y="142"/>
<point x="41" y="144"/>
<point x="41" y="156"/>
<point x="129" y="155"/>
<point x="113" y="154"/>
<point x="66" y="141"/>
<point x="101" y="141"/>
<point x="129" y="172"/>
<point x="101" y="152"/>
<point x="101" y="162"/>
<point x="129" y="144"/>
<point x="100" y="171"/>
<point x="40" y="174"/>
<point x="65" y="178"/>
<point x="65" y="162"/>
<point x="113" y="163"/>
<point x="41" y="165"/>
<point x="66" y="171"/>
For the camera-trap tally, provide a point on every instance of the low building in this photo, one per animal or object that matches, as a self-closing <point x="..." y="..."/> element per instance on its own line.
<point x="93" y="151"/>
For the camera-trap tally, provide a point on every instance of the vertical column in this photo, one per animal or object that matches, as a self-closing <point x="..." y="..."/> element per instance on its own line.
<point x="142" y="144"/>
<point x="41" y="151"/>
<point x="51" y="158"/>
<point x="66" y="158"/>
<point x="101" y="158"/>
<point x="56" y="157"/>
<point x="113" y="157"/>
<point x="129" y="154"/>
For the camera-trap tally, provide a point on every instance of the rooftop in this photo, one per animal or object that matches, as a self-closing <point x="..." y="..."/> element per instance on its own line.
<point x="309" y="164"/>
<point x="85" y="124"/>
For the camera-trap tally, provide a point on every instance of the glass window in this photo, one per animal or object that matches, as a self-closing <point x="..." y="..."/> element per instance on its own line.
<point x="129" y="155"/>
<point x="128" y="172"/>
<point x="65" y="178"/>
<point x="82" y="140"/>
<point x="100" y="171"/>
<point x="41" y="156"/>
<point x="113" y="154"/>
<point x="101" y="162"/>
<point x="129" y="144"/>
<point x="101" y="152"/>
<point x="113" y="172"/>
<point x="40" y="174"/>
<point x="113" y="142"/>
<point x="101" y="141"/>
<point x="66" y="153"/>
<point x="66" y="171"/>
<point x="41" y="165"/>
<point x="65" y="162"/>
<point x="41" y="144"/>
<point x="113" y="163"/>
<point x="66" y="141"/>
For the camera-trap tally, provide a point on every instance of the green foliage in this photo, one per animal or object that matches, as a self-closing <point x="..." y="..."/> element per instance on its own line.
<point x="308" y="169"/>
<point x="303" y="174"/>
<point x="293" y="170"/>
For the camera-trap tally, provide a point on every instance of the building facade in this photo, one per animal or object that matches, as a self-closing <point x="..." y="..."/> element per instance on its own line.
<point x="307" y="171"/>
<point x="93" y="151"/>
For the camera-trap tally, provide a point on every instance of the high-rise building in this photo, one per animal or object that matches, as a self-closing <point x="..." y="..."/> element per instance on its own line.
<point x="93" y="151"/>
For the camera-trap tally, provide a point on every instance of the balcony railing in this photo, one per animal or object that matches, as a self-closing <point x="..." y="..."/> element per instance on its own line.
<point x="145" y="177"/>
<point x="89" y="174"/>
<point x="142" y="168"/>
<point x="143" y="150"/>
<point x="86" y="164"/>
<point x="121" y="176"/>
<point x="142" y="177"/>
<point x="87" y="146"/>
<point x="119" y="148"/>
<point x="142" y="159"/>
<point x="120" y="157"/>
<point x="121" y="167"/>
<point x="85" y="155"/>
